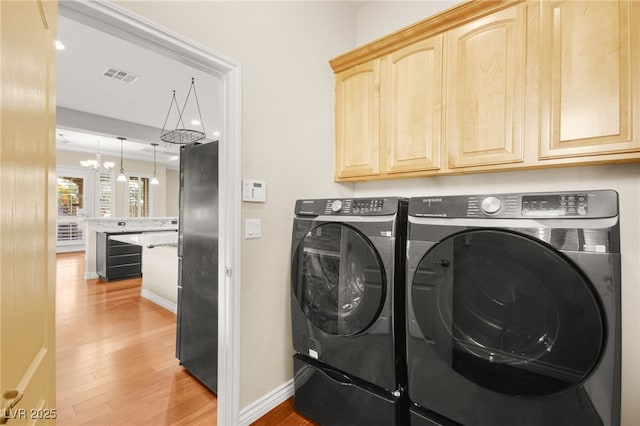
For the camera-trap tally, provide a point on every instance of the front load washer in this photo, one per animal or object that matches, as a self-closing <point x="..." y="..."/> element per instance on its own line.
<point x="513" y="309"/>
<point x="347" y="310"/>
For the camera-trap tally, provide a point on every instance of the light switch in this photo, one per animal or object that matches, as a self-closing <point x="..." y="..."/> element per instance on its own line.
<point x="252" y="228"/>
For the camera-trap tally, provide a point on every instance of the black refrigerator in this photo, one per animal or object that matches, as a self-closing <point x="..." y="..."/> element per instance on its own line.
<point x="197" y="328"/>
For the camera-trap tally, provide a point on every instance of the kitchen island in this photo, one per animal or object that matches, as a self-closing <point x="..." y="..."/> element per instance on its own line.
<point x="118" y="225"/>
<point x="159" y="265"/>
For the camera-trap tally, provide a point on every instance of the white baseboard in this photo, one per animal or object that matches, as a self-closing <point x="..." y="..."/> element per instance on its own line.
<point x="161" y="301"/>
<point x="90" y="275"/>
<point x="70" y="248"/>
<point x="267" y="403"/>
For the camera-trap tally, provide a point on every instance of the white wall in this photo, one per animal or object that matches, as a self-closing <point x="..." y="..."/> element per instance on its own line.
<point x="287" y="125"/>
<point x="172" y="193"/>
<point x="379" y="18"/>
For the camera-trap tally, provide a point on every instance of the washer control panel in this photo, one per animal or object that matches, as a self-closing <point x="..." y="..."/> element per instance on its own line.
<point x="348" y="207"/>
<point x="601" y="203"/>
<point x="555" y="205"/>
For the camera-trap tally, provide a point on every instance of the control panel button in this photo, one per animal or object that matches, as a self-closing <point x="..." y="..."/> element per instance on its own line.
<point x="491" y="205"/>
<point x="336" y="206"/>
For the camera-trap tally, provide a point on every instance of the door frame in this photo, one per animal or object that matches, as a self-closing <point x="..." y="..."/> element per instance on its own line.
<point x="121" y="23"/>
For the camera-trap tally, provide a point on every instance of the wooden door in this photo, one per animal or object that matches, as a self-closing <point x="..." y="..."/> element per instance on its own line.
<point x="590" y="73"/>
<point x="357" y="103"/>
<point x="27" y="211"/>
<point x="412" y="103"/>
<point x="485" y="90"/>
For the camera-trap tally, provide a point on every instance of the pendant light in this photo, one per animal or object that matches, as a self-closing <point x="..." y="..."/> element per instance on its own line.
<point x="154" y="179"/>
<point x="121" y="176"/>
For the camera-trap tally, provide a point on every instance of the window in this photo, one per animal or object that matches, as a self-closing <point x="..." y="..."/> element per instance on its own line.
<point x="70" y="205"/>
<point x="70" y="195"/>
<point x="139" y="198"/>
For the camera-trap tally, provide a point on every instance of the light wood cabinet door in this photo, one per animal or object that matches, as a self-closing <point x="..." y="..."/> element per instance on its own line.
<point x="411" y="96"/>
<point x="590" y="78"/>
<point x="357" y="148"/>
<point x="485" y="90"/>
<point x="28" y="211"/>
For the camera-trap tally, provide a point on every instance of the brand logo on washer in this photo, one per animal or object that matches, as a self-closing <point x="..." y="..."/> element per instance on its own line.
<point x="432" y="200"/>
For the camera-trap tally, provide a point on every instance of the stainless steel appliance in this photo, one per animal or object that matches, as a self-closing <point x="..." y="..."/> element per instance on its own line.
<point x="347" y="310"/>
<point x="514" y="309"/>
<point x="197" y="330"/>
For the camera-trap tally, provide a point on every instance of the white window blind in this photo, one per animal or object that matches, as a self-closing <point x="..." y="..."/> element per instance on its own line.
<point x="105" y="193"/>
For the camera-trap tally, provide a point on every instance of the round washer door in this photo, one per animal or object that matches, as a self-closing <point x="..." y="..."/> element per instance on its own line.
<point x="508" y="312"/>
<point x="338" y="279"/>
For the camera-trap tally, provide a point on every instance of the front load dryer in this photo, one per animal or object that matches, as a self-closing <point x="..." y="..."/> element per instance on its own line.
<point x="513" y="309"/>
<point x="347" y="310"/>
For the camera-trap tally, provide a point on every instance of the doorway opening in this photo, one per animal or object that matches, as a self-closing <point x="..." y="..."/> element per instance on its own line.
<point x="119" y="22"/>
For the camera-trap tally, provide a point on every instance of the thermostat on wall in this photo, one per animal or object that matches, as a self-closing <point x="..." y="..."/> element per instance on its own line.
<point x="255" y="191"/>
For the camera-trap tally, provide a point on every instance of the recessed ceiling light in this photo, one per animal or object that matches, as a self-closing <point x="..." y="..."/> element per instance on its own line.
<point x="195" y="122"/>
<point x="174" y="158"/>
<point x="59" y="45"/>
<point x="216" y="133"/>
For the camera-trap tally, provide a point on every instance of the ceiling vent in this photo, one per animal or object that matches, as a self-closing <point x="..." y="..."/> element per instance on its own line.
<point x="117" y="74"/>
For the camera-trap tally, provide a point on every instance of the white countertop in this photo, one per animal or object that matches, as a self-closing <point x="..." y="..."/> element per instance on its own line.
<point x="149" y="239"/>
<point x="131" y="224"/>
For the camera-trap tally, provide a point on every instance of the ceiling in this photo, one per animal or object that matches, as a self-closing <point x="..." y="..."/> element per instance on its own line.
<point x="82" y="86"/>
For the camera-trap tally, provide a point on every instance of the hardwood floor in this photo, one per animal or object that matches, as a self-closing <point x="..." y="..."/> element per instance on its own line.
<point x="116" y="359"/>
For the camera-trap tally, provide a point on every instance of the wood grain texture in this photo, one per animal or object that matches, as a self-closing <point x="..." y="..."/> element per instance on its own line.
<point x="411" y="127"/>
<point x="589" y="58"/>
<point x="116" y="359"/>
<point x="485" y="90"/>
<point x="358" y="121"/>
<point x="428" y="27"/>
<point x="27" y="228"/>
<point x="284" y="415"/>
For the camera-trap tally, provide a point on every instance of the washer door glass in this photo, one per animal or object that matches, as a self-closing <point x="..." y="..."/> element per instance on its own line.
<point x="507" y="312"/>
<point x="338" y="279"/>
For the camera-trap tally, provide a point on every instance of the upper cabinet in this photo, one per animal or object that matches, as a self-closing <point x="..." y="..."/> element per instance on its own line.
<point x="589" y="69"/>
<point x="357" y="121"/>
<point x="490" y="86"/>
<point x="485" y="90"/>
<point x="411" y="123"/>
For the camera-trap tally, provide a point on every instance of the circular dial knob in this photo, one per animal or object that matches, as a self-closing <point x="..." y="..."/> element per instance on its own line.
<point x="336" y="206"/>
<point x="491" y="205"/>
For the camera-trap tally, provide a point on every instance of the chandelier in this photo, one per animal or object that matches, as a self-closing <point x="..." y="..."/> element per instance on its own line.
<point x="97" y="164"/>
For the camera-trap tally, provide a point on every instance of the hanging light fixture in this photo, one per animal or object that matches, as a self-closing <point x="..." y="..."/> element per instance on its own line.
<point x="97" y="164"/>
<point x="121" y="176"/>
<point x="154" y="179"/>
<point x="181" y="135"/>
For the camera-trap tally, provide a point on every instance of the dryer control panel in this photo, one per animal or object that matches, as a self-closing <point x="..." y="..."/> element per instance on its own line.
<point x="348" y="207"/>
<point x="579" y="204"/>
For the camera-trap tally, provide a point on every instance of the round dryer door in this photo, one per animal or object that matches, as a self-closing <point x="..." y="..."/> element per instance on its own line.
<point x="508" y="312"/>
<point x="339" y="280"/>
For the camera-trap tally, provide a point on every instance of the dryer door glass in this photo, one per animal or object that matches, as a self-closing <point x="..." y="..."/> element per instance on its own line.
<point x="339" y="280"/>
<point x="507" y="312"/>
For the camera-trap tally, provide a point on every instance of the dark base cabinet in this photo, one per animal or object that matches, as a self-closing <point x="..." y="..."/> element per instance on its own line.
<point x="115" y="259"/>
<point x="422" y="417"/>
<point x="330" y="397"/>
